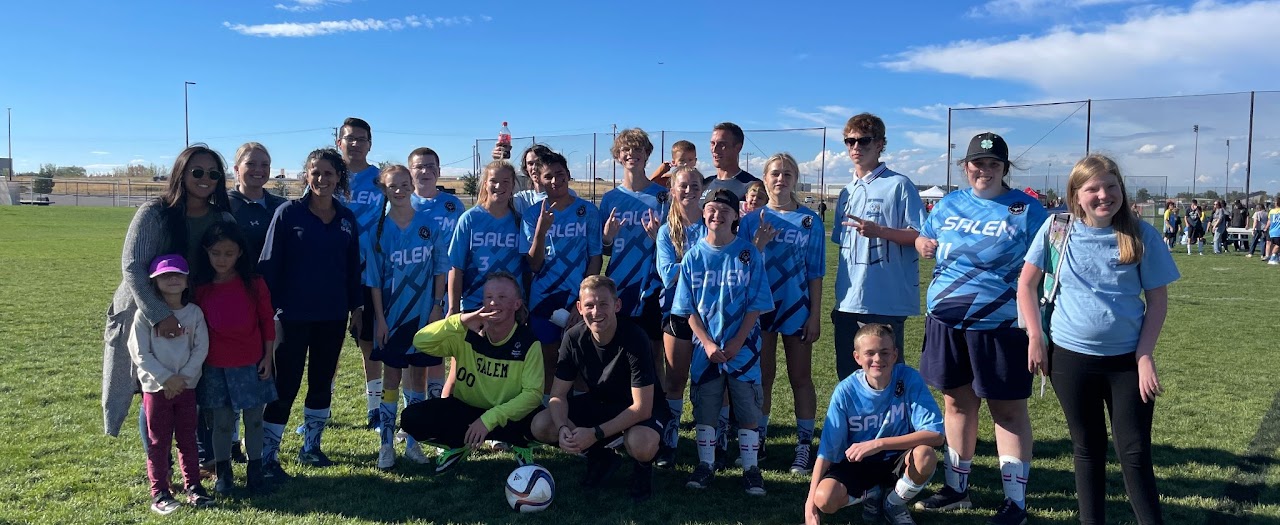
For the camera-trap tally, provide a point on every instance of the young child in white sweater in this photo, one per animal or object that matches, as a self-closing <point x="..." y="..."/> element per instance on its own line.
<point x="169" y="368"/>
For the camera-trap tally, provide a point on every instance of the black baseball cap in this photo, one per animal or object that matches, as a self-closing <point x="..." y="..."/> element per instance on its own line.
<point x="722" y="196"/>
<point x="987" y="146"/>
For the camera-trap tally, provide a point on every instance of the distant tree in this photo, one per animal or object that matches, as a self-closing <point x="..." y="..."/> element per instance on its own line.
<point x="1143" y="195"/>
<point x="470" y="184"/>
<point x="1184" y="196"/>
<point x="1212" y="195"/>
<point x="67" y="172"/>
<point x="1050" y="195"/>
<point x="386" y="164"/>
<point x="42" y="183"/>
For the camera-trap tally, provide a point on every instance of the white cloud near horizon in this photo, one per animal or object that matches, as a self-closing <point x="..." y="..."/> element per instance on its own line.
<point x="1029" y="8"/>
<point x="99" y="152"/>
<point x="330" y="27"/>
<point x="1205" y="47"/>
<point x="300" y="6"/>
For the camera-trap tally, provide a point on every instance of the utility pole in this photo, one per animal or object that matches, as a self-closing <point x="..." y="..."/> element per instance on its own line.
<point x="186" y="112"/>
<point x="1226" y="181"/>
<point x="1195" y="159"/>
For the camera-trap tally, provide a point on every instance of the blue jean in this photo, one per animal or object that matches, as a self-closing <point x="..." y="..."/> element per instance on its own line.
<point x="846" y="328"/>
<point x="1259" y="236"/>
<point x="1219" y="238"/>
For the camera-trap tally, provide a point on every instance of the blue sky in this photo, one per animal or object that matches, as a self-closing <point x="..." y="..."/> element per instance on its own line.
<point x="100" y="84"/>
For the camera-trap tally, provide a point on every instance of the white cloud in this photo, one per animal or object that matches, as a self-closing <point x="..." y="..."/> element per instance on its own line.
<point x="1165" y="44"/>
<point x="310" y="29"/>
<point x="138" y="161"/>
<point x="299" y="6"/>
<point x="830" y="116"/>
<point x="1155" y="150"/>
<point x="1029" y="8"/>
<point x="99" y="152"/>
<point x="927" y="139"/>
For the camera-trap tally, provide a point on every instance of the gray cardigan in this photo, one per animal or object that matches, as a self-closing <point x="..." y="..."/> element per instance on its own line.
<point x="146" y="238"/>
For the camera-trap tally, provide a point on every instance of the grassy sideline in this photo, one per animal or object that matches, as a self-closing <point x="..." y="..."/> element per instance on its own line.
<point x="1216" y="438"/>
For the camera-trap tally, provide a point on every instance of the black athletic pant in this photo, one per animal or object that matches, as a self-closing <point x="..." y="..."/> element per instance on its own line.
<point x="322" y="342"/>
<point x="444" y="421"/>
<point x="1086" y="387"/>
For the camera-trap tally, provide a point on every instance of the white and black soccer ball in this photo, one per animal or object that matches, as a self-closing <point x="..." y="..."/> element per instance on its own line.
<point x="530" y="488"/>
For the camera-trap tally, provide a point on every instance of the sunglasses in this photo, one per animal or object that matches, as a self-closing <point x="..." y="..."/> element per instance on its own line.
<point x="859" y="141"/>
<point x="200" y="173"/>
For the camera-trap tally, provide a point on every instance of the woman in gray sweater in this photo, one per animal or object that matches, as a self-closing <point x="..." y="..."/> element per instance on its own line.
<point x="172" y="223"/>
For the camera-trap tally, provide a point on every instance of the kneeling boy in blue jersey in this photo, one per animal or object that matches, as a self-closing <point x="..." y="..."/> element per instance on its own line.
<point x="881" y="426"/>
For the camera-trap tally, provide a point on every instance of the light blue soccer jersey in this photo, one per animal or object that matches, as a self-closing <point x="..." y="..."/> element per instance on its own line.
<point x="1099" y="308"/>
<point x="797" y="255"/>
<point x="631" y="264"/>
<point x="875" y="276"/>
<point x="367" y="203"/>
<point x="857" y="413"/>
<point x="482" y="244"/>
<point x="403" y="263"/>
<point x="722" y="285"/>
<point x="669" y="262"/>
<point x="445" y="209"/>
<point x="524" y="199"/>
<point x="981" y="244"/>
<point x="1273" y="222"/>
<point x="574" y="237"/>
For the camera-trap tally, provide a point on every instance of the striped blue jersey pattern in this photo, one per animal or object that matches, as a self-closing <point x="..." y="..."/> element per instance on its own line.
<point x="445" y="209"/>
<point x="632" y="263"/>
<point x="482" y="244"/>
<point x="367" y="203"/>
<point x="795" y="256"/>
<point x="573" y="238"/>
<point x="403" y="263"/>
<point x="722" y="285"/>
<point x="858" y="413"/>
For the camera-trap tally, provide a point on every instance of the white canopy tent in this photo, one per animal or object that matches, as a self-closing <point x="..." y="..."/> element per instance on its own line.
<point x="933" y="193"/>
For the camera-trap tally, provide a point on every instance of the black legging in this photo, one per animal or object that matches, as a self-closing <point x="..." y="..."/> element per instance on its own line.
<point x="444" y="421"/>
<point x="322" y="340"/>
<point x="1087" y="385"/>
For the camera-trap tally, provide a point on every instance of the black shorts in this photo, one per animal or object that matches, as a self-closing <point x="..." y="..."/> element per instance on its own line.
<point x="587" y="412"/>
<point x="1275" y="241"/>
<point x="677" y="326"/>
<point x="876" y="471"/>
<point x="650" y="318"/>
<point x="443" y="422"/>
<point x="365" y="334"/>
<point x="399" y="352"/>
<point x="993" y="361"/>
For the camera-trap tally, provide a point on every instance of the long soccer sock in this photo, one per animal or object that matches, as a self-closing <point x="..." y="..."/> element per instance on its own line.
<point x="671" y="434"/>
<point x="804" y="431"/>
<point x="722" y="428"/>
<point x="271" y="435"/>
<point x="956" y="471"/>
<point x="748" y="447"/>
<point x="412" y="397"/>
<point x="1013" y="476"/>
<point x="435" y="388"/>
<point x="316" y="419"/>
<point x="387" y="416"/>
<point x="706" y="435"/>
<point x="904" y="491"/>
<point x="373" y="394"/>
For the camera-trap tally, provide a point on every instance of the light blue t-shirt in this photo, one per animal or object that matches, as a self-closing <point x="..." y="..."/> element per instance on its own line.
<point x="482" y="244"/>
<point x="722" y="285"/>
<point x="1099" y="308"/>
<point x="403" y="263"/>
<point x="631" y="263"/>
<point x="875" y="276"/>
<point x="669" y="261"/>
<point x="981" y="244"/>
<point x="444" y="208"/>
<point x="1273" y="222"/>
<point x="367" y="203"/>
<point x="857" y="413"/>
<point x="795" y="256"/>
<point x="574" y="237"/>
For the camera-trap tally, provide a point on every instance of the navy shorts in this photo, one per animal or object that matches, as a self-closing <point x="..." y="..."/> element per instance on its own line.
<point x="547" y="332"/>
<point x="876" y="471"/>
<point x="650" y="318"/>
<point x="399" y="352"/>
<point x="993" y="361"/>
<point x="769" y="323"/>
<point x="677" y="326"/>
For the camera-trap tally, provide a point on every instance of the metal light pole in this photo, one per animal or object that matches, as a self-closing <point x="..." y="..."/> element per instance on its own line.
<point x="1195" y="159"/>
<point x="1227" y="179"/>
<point x="10" y="135"/>
<point x="186" y="112"/>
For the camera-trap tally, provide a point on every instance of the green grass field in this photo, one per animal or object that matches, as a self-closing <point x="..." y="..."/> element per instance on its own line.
<point x="1216" y="438"/>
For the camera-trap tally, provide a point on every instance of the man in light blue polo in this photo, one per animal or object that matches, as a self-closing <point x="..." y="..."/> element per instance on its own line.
<point x="878" y="217"/>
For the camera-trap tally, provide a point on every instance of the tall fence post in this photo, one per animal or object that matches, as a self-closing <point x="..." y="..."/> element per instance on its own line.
<point x="822" y="169"/>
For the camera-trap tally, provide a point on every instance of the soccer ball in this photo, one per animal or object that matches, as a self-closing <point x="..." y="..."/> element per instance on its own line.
<point x="530" y="488"/>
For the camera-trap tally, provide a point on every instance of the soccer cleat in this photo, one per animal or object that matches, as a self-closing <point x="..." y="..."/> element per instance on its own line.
<point x="753" y="481"/>
<point x="1273" y="261"/>
<point x="945" y="499"/>
<point x="401" y="436"/>
<point x="450" y="458"/>
<point x="1009" y="513"/>
<point x="897" y="514"/>
<point x="601" y="463"/>
<point x="273" y="473"/>
<point x="641" y="487"/>
<point x="701" y="477"/>
<point x="666" y="458"/>
<point x="386" y="457"/>
<point x="802" y="464"/>
<point x="872" y="505"/>
<point x="315" y="458"/>
<point x="164" y="504"/>
<point x="523" y="455"/>
<point x="414" y="453"/>
<point x="198" y="498"/>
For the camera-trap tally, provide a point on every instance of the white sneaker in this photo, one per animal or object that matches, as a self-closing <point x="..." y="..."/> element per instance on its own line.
<point x="401" y="435"/>
<point x="386" y="457"/>
<point x="415" y="454"/>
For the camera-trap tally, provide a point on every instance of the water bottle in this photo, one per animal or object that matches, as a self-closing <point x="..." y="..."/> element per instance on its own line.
<point x="504" y="139"/>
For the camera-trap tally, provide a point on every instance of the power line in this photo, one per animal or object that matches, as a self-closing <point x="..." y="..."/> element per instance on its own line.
<point x="1050" y="132"/>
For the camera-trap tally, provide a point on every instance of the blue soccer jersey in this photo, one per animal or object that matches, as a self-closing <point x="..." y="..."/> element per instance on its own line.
<point x="445" y="209"/>
<point x="797" y="255"/>
<point x="367" y="203"/>
<point x="669" y="262"/>
<point x="981" y="244"/>
<point x="1273" y="222"/>
<point x="481" y="244"/>
<point x="631" y="263"/>
<point x="857" y="413"/>
<point x="574" y="237"/>
<point x="722" y="285"/>
<point x="403" y="263"/>
<point x="876" y="276"/>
